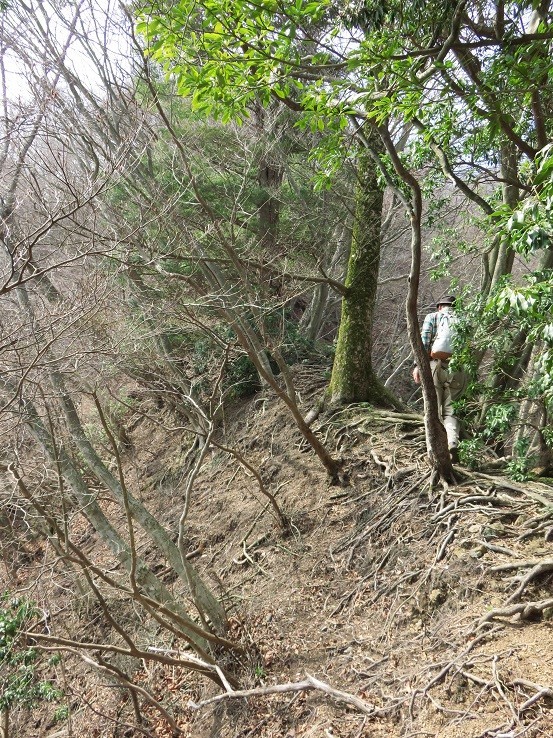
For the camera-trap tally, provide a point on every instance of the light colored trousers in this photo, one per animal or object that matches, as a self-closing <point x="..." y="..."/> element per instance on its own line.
<point x="449" y="386"/>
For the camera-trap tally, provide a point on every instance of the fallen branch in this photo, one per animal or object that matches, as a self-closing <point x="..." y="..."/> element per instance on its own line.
<point x="311" y="683"/>
<point x="532" y="490"/>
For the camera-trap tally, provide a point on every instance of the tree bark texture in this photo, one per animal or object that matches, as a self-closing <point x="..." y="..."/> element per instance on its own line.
<point x="204" y="600"/>
<point x="5" y="723"/>
<point x="87" y="503"/>
<point x="505" y="256"/>
<point x="353" y="378"/>
<point x="269" y="177"/>
<point x="436" y="437"/>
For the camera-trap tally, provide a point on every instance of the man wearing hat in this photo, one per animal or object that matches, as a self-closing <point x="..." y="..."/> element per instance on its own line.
<point x="436" y="334"/>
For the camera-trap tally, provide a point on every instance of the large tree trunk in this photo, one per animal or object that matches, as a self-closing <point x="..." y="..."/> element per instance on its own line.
<point x="515" y="358"/>
<point x="353" y="378"/>
<point x="533" y="418"/>
<point x="270" y="179"/>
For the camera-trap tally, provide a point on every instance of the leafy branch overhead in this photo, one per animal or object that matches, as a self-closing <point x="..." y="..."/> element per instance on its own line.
<point x="459" y="94"/>
<point x="334" y="60"/>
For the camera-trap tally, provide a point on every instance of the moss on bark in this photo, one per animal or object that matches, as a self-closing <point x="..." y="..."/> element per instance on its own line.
<point x="353" y="378"/>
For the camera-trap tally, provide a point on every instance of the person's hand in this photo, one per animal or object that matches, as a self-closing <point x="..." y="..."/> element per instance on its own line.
<point x="416" y="375"/>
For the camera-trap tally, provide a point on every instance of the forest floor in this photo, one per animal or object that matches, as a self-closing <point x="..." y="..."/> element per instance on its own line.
<point x="414" y="611"/>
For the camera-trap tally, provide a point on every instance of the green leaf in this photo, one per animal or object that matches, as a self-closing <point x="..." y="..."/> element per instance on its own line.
<point x="516" y="221"/>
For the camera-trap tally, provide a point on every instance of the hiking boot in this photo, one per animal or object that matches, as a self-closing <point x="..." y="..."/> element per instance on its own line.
<point x="454" y="453"/>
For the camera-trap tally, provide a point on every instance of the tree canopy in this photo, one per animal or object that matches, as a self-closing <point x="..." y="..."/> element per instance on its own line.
<point x="457" y="92"/>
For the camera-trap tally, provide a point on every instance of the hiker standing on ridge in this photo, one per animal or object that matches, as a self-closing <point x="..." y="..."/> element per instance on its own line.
<point x="437" y="339"/>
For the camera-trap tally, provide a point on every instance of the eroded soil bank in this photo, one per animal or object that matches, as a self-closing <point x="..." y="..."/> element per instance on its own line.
<point x="429" y="610"/>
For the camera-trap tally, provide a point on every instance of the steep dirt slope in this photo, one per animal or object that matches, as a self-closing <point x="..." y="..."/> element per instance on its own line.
<point x="430" y="610"/>
<point x="388" y="590"/>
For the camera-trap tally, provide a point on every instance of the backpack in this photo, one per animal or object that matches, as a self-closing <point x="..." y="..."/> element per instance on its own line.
<point x="442" y="346"/>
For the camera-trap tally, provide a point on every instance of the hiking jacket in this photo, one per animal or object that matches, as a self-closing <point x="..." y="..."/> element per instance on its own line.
<point x="429" y="330"/>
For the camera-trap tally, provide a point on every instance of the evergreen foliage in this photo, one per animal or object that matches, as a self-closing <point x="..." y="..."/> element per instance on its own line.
<point x="20" y="682"/>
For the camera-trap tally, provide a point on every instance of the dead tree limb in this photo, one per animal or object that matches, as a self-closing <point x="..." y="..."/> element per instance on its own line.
<point x="311" y="683"/>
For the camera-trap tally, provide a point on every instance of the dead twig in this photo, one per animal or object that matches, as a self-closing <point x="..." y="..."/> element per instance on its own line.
<point x="443" y="546"/>
<point x="459" y="658"/>
<point x="496" y="549"/>
<point x="102" y="666"/>
<point x="512" y="564"/>
<point x="382" y="463"/>
<point x="501" y="689"/>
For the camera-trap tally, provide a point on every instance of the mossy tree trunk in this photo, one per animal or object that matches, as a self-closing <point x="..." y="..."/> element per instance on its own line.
<point x="353" y="378"/>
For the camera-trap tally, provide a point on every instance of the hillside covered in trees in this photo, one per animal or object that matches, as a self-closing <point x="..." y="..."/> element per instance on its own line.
<point x="226" y="509"/>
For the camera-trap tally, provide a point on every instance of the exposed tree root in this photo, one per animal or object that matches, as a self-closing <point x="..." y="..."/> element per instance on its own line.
<point x="526" y="611"/>
<point x="543" y="567"/>
<point x="485" y="514"/>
